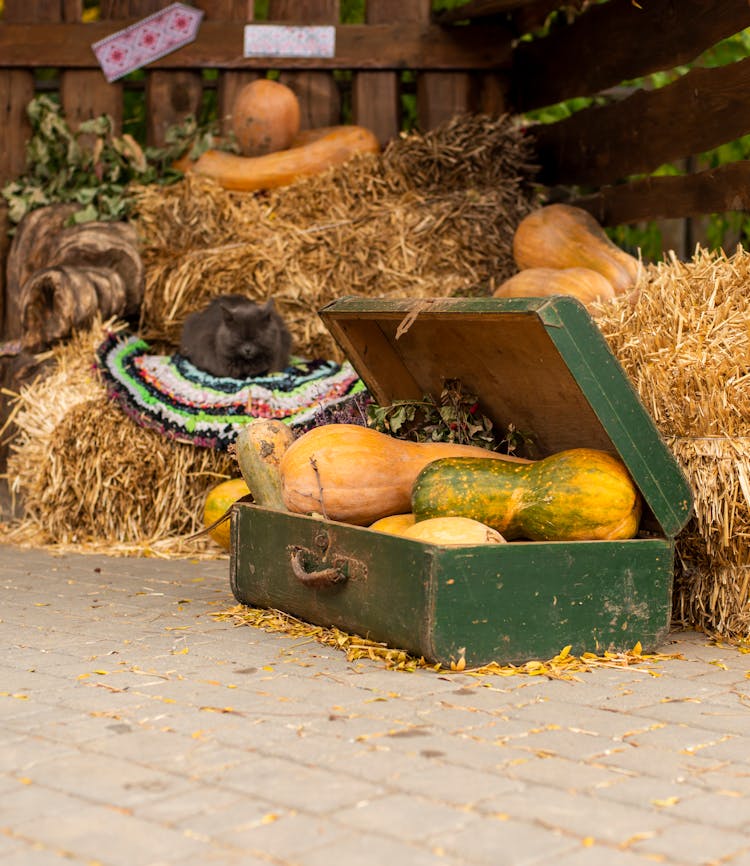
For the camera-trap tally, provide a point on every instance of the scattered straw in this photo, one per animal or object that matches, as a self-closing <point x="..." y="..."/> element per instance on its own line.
<point x="563" y="666"/>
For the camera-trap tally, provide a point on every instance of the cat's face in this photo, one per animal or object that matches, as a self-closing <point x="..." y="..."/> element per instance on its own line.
<point x="249" y="337"/>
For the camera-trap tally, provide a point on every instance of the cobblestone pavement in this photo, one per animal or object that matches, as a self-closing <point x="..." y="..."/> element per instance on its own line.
<point x="138" y="730"/>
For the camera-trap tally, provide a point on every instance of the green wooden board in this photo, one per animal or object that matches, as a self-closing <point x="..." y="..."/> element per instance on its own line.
<point x="504" y="603"/>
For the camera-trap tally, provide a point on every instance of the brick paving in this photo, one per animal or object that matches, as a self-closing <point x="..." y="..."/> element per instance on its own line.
<point x="138" y="730"/>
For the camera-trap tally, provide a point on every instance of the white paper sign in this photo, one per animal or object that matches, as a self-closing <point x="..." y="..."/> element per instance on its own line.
<point x="280" y="40"/>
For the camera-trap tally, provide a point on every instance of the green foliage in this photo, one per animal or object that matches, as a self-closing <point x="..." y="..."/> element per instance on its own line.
<point x="647" y="238"/>
<point x="454" y="417"/>
<point x="92" y="167"/>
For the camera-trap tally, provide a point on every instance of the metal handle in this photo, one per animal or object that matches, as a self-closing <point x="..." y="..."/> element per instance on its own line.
<point x="315" y="579"/>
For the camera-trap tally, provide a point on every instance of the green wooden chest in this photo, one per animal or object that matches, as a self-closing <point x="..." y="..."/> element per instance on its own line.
<point x="543" y="366"/>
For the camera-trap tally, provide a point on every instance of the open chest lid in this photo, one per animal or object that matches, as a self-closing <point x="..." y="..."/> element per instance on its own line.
<point x="540" y="364"/>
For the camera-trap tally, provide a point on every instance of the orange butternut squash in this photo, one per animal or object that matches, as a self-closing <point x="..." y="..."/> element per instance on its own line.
<point x="563" y="236"/>
<point x="583" y="283"/>
<point x="356" y="474"/>
<point x="247" y="173"/>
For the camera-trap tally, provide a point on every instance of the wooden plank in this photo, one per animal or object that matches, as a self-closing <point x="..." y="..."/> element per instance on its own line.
<point x="17" y="87"/>
<point x="698" y="112"/>
<point x="219" y="46"/>
<point x="170" y="96"/>
<point x="726" y="188"/>
<point x="440" y="96"/>
<point x="480" y="9"/>
<point x="230" y="83"/>
<point x="619" y="40"/>
<point x="86" y="93"/>
<point x="376" y="96"/>
<point x="319" y="97"/>
<point x="16" y="91"/>
<point x="4" y="247"/>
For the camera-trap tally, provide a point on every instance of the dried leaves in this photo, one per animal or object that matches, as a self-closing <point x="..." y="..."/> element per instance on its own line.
<point x="563" y="666"/>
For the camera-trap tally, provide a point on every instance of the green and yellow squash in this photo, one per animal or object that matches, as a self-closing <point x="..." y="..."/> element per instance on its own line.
<point x="573" y="495"/>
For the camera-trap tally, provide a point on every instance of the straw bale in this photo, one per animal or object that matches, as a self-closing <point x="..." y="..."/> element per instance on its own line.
<point x="685" y="344"/>
<point x="433" y="215"/>
<point x="88" y="475"/>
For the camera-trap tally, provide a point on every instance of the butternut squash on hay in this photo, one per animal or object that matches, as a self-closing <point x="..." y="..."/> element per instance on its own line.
<point x="563" y="236"/>
<point x="334" y="147"/>
<point x="357" y="475"/>
<point x="582" y="283"/>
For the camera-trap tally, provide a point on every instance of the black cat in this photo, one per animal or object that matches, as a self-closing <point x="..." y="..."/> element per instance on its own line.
<point x="235" y="337"/>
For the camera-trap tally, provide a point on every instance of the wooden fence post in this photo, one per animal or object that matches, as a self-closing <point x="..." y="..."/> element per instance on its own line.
<point x="376" y="96"/>
<point x="319" y="97"/>
<point x="230" y="81"/>
<point x="441" y="95"/>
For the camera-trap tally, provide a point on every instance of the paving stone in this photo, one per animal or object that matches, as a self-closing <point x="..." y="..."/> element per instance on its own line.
<point x="581" y="815"/>
<point x="720" y="810"/>
<point x="458" y="786"/>
<point x="31" y="855"/>
<point x="367" y="849"/>
<point x="406" y="817"/>
<point x="117" y="782"/>
<point x="592" y="853"/>
<point x="690" y="844"/>
<point x="257" y="748"/>
<point x="90" y="832"/>
<point x="284" y="835"/>
<point x="504" y="843"/>
<point x="661" y="763"/>
<point x="292" y="785"/>
<point x="559" y="772"/>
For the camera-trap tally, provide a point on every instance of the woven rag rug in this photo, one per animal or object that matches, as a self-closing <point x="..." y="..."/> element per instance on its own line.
<point x="168" y="394"/>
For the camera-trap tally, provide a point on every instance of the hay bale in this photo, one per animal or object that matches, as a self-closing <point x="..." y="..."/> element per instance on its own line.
<point x="685" y="344"/>
<point x="432" y="216"/>
<point x="90" y="478"/>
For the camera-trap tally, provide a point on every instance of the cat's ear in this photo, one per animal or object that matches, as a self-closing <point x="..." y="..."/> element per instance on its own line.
<point x="269" y="306"/>
<point x="227" y="313"/>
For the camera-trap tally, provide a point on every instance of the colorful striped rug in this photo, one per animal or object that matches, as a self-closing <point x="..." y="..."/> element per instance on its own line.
<point x="168" y="394"/>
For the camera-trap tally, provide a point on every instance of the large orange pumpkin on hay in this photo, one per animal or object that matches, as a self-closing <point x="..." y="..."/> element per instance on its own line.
<point x="265" y="117"/>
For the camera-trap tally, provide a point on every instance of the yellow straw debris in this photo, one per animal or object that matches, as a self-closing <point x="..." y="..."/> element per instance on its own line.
<point x="564" y="666"/>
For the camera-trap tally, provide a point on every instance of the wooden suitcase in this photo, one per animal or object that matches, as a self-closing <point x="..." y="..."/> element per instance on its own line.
<point x="543" y="366"/>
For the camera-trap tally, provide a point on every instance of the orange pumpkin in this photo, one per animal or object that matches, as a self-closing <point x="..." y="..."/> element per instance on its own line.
<point x="265" y="117"/>
<point x="583" y="283"/>
<point x="563" y="236"/>
<point x="218" y="500"/>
